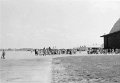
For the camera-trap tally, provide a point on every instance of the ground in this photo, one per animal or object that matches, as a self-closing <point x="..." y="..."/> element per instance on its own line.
<point x="86" y="69"/>
<point x="25" y="67"/>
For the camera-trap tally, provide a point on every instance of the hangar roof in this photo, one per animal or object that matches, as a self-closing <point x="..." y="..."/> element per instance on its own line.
<point x="116" y="27"/>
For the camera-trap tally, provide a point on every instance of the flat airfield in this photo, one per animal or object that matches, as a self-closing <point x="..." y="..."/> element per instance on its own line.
<point x="25" y="67"/>
<point x="86" y="69"/>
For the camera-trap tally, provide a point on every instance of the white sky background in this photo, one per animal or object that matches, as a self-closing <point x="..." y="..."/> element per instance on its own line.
<point x="60" y="23"/>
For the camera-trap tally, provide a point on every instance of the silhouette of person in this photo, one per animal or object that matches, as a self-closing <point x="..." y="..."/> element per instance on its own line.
<point x="3" y="55"/>
<point x="36" y="52"/>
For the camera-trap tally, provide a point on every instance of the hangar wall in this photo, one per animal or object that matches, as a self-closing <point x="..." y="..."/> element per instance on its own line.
<point x="112" y="41"/>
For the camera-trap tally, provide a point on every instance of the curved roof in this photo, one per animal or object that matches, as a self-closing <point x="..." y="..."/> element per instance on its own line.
<point x="116" y="27"/>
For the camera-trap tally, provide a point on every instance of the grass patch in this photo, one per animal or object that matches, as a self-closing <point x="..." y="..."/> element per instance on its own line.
<point x="90" y="69"/>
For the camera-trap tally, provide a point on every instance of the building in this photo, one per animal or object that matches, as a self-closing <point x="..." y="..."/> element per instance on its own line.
<point x="112" y="40"/>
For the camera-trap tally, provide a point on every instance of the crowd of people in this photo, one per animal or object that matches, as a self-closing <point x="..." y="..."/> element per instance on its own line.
<point x="103" y="51"/>
<point x="54" y="51"/>
<point x="49" y="51"/>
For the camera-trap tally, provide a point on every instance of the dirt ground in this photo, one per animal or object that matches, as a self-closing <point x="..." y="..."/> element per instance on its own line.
<point x="86" y="69"/>
<point x="25" y="67"/>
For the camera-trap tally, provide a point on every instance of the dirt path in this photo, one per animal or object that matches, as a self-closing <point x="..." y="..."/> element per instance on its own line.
<point x="26" y="70"/>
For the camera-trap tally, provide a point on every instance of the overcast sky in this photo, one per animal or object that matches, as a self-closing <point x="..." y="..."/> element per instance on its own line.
<point x="60" y="23"/>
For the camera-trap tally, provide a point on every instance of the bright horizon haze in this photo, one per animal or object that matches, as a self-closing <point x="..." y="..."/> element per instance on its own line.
<point x="60" y="23"/>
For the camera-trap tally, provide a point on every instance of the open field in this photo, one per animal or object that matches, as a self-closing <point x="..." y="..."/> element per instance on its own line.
<point x="86" y="69"/>
<point x="19" y="55"/>
<point x="25" y="67"/>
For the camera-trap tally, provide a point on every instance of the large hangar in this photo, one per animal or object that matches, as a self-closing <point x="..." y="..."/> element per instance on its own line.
<point x="112" y="40"/>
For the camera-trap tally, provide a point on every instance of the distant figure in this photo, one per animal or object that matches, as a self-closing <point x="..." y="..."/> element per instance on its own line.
<point x="44" y="51"/>
<point x="36" y="52"/>
<point x="3" y="55"/>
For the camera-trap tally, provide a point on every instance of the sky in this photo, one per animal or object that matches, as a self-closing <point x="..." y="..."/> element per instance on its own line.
<point x="60" y="23"/>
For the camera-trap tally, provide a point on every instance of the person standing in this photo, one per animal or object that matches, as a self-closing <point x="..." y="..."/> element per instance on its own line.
<point x="36" y="52"/>
<point x="3" y="55"/>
